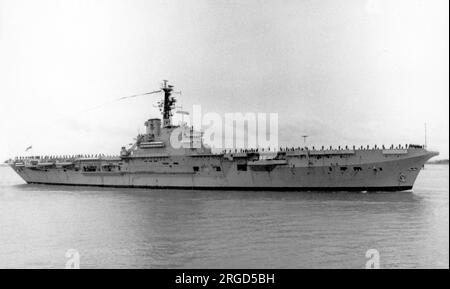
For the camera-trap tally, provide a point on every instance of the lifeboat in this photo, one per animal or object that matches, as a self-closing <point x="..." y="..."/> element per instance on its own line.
<point x="64" y="164"/>
<point x="45" y="164"/>
<point x="153" y="144"/>
<point x="31" y="164"/>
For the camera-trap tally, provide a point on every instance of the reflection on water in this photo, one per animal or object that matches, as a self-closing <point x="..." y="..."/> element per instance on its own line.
<point x="137" y="228"/>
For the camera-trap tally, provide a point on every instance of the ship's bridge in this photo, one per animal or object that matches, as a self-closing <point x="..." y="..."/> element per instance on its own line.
<point x="167" y="141"/>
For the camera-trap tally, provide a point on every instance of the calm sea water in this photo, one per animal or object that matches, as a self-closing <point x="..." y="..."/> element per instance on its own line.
<point x="136" y="228"/>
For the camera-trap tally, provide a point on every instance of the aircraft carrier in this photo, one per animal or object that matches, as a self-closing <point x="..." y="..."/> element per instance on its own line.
<point x="152" y="162"/>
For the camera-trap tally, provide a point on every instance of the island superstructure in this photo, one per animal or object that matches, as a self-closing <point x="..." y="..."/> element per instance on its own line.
<point x="152" y="162"/>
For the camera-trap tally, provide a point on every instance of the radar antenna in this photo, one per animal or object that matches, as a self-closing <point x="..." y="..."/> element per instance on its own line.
<point x="166" y="105"/>
<point x="304" y="139"/>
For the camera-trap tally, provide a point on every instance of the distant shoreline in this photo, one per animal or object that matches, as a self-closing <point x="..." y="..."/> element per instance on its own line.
<point x="438" y="162"/>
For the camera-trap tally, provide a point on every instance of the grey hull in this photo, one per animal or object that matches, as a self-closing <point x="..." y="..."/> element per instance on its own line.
<point x="393" y="173"/>
<point x="171" y="156"/>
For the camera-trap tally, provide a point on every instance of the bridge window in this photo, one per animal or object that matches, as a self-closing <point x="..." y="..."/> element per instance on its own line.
<point x="196" y="169"/>
<point x="357" y="169"/>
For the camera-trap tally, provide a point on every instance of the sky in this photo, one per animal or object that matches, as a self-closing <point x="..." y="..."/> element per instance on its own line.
<point x="348" y="72"/>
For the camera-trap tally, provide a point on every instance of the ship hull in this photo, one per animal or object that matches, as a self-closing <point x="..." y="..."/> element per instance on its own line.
<point x="175" y="157"/>
<point x="392" y="174"/>
<point x="294" y="189"/>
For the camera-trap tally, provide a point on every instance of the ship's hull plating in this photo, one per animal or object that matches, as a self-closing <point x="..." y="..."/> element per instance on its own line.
<point x="389" y="174"/>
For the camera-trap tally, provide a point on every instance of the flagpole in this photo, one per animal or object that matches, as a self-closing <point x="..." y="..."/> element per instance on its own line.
<point x="426" y="144"/>
<point x="27" y="151"/>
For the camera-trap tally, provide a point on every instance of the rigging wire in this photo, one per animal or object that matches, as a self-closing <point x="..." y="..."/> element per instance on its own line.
<point x="121" y="98"/>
